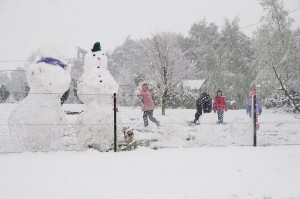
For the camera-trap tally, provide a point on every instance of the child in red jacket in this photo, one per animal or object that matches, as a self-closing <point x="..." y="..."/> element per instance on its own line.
<point x="220" y="105"/>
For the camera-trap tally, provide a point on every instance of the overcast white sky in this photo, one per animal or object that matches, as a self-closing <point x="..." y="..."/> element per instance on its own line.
<point x="25" y="25"/>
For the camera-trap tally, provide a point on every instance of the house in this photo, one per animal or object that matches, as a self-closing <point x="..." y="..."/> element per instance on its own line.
<point x="195" y="85"/>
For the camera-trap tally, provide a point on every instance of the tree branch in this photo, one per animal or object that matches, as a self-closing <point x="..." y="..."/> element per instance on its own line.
<point x="284" y="88"/>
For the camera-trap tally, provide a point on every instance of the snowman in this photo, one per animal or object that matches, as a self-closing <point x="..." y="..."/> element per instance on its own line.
<point x="39" y="122"/>
<point x="96" y="86"/>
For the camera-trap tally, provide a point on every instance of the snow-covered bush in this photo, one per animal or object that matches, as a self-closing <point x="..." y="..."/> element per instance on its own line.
<point x="284" y="102"/>
<point x="179" y="99"/>
<point x="65" y="96"/>
<point x="4" y="93"/>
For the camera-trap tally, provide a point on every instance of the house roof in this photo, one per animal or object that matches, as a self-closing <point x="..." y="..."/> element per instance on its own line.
<point x="193" y="84"/>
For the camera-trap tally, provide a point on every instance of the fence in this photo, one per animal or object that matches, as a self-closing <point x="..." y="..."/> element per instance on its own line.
<point x="40" y="123"/>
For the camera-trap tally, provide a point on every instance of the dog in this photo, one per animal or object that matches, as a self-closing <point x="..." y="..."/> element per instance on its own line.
<point x="128" y="134"/>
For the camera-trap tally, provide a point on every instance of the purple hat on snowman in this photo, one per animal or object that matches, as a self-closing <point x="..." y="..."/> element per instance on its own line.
<point x="53" y="55"/>
<point x="52" y="61"/>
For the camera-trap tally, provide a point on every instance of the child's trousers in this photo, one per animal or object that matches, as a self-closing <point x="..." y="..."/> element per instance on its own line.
<point x="150" y="115"/>
<point x="220" y="116"/>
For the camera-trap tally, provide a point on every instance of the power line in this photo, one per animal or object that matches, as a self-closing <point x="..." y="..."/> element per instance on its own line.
<point x="294" y="10"/>
<point x="251" y="25"/>
<point x="262" y="21"/>
<point x="24" y="60"/>
<point x="3" y="61"/>
<point x="14" y="60"/>
<point x="12" y="70"/>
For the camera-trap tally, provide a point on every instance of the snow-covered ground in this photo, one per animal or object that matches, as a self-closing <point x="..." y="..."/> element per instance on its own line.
<point x="203" y="172"/>
<point x="178" y="169"/>
<point x="276" y="128"/>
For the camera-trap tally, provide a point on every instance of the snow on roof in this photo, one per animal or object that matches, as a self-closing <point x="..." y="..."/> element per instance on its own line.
<point x="193" y="84"/>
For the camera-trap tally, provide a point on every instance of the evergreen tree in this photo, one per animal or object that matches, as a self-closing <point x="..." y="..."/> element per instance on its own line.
<point x="236" y="62"/>
<point x="224" y="59"/>
<point x="125" y="61"/>
<point x="203" y="46"/>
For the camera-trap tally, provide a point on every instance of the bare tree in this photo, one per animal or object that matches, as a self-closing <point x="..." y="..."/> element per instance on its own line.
<point x="284" y="82"/>
<point x="167" y="64"/>
<point x="278" y="50"/>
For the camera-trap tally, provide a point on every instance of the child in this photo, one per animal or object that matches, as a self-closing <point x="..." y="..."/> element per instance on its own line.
<point x="148" y="105"/>
<point x="249" y="107"/>
<point x="203" y="103"/>
<point x="258" y="107"/>
<point x="220" y="105"/>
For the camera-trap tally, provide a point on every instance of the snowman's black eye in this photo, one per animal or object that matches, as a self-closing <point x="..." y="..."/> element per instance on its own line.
<point x="100" y="80"/>
<point x="102" y="53"/>
<point x="94" y="55"/>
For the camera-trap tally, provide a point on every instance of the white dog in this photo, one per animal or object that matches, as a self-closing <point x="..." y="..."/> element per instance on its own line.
<point x="128" y="134"/>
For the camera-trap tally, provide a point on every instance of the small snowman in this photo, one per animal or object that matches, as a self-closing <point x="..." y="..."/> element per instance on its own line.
<point x="96" y="86"/>
<point x="39" y="122"/>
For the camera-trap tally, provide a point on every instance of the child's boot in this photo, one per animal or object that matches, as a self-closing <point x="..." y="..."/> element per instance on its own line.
<point x="157" y="123"/>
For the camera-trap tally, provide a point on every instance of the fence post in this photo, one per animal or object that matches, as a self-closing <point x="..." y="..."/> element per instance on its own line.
<point x="115" y="122"/>
<point x="254" y="119"/>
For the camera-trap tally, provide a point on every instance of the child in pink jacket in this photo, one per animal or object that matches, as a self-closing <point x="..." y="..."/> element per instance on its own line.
<point x="148" y="105"/>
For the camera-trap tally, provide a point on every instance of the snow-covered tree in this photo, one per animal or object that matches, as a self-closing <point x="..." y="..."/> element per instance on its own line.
<point x="167" y="64"/>
<point x="76" y="64"/>
<point x="278" y="50"/>
<point x="202" y="48"/>
<point x="18" y="85"/>
<point x="224" y="59"/>
<point x="4" y="79"/>
<point x="236" y="62"/>
<point x="4" y="93"/>
<point x="125" y="62"/>
<point x="138" y="78"/>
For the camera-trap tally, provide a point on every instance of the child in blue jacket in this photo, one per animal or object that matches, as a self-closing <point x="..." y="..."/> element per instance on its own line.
<point x="249" y="107"/>
<point x="258" y="110"/>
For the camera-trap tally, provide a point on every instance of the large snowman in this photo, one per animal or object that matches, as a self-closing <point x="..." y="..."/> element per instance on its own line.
<point x="96" y="86"/>
<point x="38" y="122"/>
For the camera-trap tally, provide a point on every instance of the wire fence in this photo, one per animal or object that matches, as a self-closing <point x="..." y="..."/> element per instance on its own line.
<point x="40" y="123"/>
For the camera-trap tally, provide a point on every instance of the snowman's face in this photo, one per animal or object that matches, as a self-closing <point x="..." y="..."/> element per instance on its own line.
<point x="96" y="59"/>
